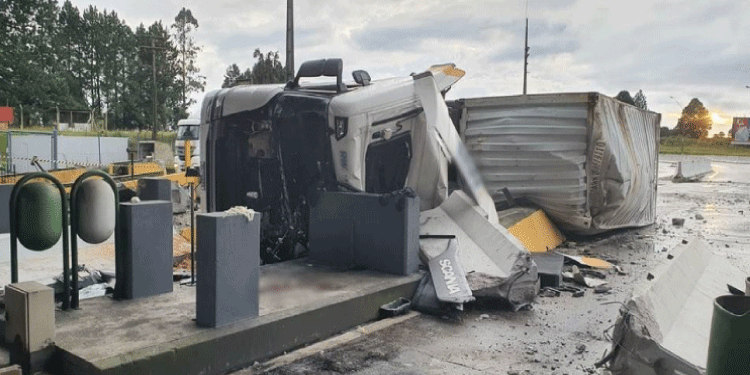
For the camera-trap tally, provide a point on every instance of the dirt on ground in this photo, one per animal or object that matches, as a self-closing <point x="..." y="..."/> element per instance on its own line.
<point x="565" y="334"/>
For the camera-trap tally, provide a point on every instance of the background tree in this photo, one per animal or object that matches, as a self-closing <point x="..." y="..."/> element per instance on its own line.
<point x="190" y="80"/>
<point x="624" y="96"/>
<point x="695" y="121"/>
<point x="719" y="135"/>
<point x="57" y="56"/>
<point x="664" y="132"/>
<point x="230" y="77"/>
<point x="640" y="100"/>
<point x="268" y="68"/>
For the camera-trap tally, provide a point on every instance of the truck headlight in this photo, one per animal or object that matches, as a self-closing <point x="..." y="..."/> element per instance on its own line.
<point x="342" y="125"/>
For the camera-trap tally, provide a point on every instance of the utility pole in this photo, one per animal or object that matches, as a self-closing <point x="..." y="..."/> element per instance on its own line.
<point x="290" y="39"/>
<point x="526" y="49"/>
<point x="153" y="68"/>
<point x="153" y="49"/>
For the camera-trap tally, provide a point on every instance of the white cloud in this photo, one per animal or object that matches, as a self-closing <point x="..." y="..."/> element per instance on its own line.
<point x="680" y="48"/>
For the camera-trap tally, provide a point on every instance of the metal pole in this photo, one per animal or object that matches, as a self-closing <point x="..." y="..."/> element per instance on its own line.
<point x="10" y="149"/>
<point x="99" y="141"/>
<point x="526" y="55"/>
<point x="54" y="149"/>
<point x="20" y="105"/>
<point x="57" y="109"/>
<point x="153" y="68"/>
<point x="290" y="39"/>
<point x="192" y="233"/>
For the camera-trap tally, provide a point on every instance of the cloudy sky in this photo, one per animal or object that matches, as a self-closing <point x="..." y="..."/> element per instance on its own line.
<point x="673" y="50"/>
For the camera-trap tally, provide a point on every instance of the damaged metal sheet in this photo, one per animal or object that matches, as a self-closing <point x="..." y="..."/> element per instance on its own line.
<point x="495" y="262"/>
<point x="446" y="271"/>
<point x="588" y="160"/>
<point x="443" y="130"/>
<point x="665" y="328"/>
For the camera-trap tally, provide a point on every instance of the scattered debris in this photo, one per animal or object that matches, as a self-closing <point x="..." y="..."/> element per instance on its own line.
<point x="549" y="266"/>
<point x="698" y="216"/>
<point x="678" y="221"/>
<point x="549" y="292"/>
<point x="397" y="307"/>
<point x="602" y="289"/>
<point x="580" y="349"/>
<point x="588" y="261"/>
<point x="649" y="337"/>
<point x="248" y="213"/>
<point x="495" y="262"/>
<point x="577" y="276"/>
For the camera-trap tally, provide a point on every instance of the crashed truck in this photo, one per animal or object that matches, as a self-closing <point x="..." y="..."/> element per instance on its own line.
<point x="276" y="148"/>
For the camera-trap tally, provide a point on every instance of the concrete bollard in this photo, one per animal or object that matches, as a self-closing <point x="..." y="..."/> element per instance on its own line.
<point x="145" y="258"/>
<point x="154" y="189"/>
<point x="227" y="268"/>
<point x="30" y="324"/>
<point x="361" y="230"/>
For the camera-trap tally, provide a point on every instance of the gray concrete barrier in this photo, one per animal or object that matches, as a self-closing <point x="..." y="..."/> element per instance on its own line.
<point x="691" y="170"/>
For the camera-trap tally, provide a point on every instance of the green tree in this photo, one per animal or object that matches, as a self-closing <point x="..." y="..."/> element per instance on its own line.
<point x="664" y="132"/>
<point x="268" y="68"/>
<point x="190" y="79"/>
<point x="719" y="135"/>
<point x="231" y="75"/>
<point x="695" y="121"/>
<point x="640" y="100"/>
<point x="624" y="96"/>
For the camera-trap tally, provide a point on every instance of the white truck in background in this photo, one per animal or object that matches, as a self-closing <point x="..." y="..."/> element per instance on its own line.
<point x="187" y="130"/>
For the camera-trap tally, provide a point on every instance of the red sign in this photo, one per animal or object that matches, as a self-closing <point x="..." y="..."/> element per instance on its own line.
<point x="6" y="114"/>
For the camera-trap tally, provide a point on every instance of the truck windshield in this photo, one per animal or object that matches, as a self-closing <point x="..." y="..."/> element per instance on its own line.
<point x="191" y="132"/>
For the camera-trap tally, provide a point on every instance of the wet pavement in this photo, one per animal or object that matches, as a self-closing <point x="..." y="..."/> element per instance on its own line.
<point x="559" y="335"/>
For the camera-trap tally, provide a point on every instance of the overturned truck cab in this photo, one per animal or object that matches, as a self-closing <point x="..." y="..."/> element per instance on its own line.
<point x="275" y="148"/>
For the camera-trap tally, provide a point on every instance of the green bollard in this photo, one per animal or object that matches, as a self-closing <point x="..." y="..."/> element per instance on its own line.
<point x="729" y="344"/>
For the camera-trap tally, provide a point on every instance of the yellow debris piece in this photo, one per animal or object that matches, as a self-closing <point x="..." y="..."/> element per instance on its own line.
<point x="595" y="262"/>
<point x="185" y="233"/>
<point x="537" y="232"/>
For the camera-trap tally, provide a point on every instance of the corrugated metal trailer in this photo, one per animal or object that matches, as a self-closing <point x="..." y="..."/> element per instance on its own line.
<point x="589" y="160"/>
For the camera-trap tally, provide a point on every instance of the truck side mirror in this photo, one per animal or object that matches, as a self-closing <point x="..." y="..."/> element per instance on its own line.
<point x="361" y="77"/>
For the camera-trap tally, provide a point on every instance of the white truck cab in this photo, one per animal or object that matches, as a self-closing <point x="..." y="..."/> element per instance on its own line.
<point x="187" y="130"/>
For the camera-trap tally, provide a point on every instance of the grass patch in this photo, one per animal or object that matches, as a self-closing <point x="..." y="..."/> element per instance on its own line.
<point x="710" y="146"/>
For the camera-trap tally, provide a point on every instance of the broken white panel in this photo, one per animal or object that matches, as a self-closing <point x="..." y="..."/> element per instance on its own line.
<point x="428" y="169"/>
<point x="495" y="262"/>
<point x="665" y="328"/>
<point x="442" y="128"/>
